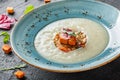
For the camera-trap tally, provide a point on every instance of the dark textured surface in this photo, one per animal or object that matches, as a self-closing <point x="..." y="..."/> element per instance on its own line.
<point x="110" y="71"/>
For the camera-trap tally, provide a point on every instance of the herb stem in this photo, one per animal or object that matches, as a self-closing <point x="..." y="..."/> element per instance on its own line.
<point x="12" y="68"/>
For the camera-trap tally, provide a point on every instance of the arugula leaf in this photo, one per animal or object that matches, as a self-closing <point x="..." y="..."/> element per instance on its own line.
<point x="6" y="37"/>
<point x="28" y="9"/>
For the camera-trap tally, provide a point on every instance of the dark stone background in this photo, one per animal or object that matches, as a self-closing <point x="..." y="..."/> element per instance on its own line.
<point x="110" y="71"/>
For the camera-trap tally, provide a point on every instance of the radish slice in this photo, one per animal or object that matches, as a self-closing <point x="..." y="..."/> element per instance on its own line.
<point x="6" y="22"/>
<point x="6" y="26"/>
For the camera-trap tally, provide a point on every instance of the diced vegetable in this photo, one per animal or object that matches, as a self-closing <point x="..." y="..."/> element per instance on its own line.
<point x="64" y="38"/>
<point x="63" y="41"/>
<point x="72" y="41"/>
<point x="19" y="74"/>
<point x="6" y="48"/>
<point x="10" y="10"/>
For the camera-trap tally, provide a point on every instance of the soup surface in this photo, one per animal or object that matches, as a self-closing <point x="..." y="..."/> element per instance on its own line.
<point x="97" y="39"/>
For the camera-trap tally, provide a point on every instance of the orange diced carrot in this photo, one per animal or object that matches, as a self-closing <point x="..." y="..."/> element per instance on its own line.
<point x="10" y="10"/>
<point x="19" y="74"/>
<point x="47" y="1"/>
<point x="72" y="41"/>
<point x="6" y="48"/>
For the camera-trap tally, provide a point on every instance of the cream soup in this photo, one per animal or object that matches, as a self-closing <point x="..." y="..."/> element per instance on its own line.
<point x="97" y="39"/>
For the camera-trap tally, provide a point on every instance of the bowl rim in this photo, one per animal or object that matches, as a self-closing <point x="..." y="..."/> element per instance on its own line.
<point x="68" y="71"/>
<point x="62" y="71"/>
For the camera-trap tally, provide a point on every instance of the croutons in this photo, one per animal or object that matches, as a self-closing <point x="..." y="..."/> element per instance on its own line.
<point x="19" y="74"/>
<point x="47" y="1"/>
<point x="67" y="39"/>
<point x="6" y="48"/>
<point x="10" y="10"/>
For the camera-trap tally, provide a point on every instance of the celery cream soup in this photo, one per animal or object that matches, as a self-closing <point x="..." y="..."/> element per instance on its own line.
<point x="97" y="39"/>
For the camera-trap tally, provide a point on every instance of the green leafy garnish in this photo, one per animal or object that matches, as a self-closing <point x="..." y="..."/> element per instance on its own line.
<point x="12" y="68"/>
<point x="72" y="34"/>
<point x="6" y="37"/>
<point x="28" y="9"/>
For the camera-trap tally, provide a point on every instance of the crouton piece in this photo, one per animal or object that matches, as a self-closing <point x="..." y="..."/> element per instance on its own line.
<point x="10" y="10"/>
<point x="19" y="74"/>
<point x="6" y="48"/>
<point x="47" y="1"/>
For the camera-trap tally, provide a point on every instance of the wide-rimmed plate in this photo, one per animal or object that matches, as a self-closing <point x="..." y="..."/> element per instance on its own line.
<point x="24" y="32"/>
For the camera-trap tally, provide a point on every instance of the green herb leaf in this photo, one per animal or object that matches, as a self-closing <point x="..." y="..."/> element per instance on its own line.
<point x="20" y="66"/>
<point x="3" y="34"/>
<point x="72" y="34"/>
<point x="28" y="9"/>
<point x="12" y="68"/>
<point x="6" y="37"/>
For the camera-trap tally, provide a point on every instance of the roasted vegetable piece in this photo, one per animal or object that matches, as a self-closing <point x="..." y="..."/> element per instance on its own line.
<point x="72" y="41"/>
<point x="63" y="37"/>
